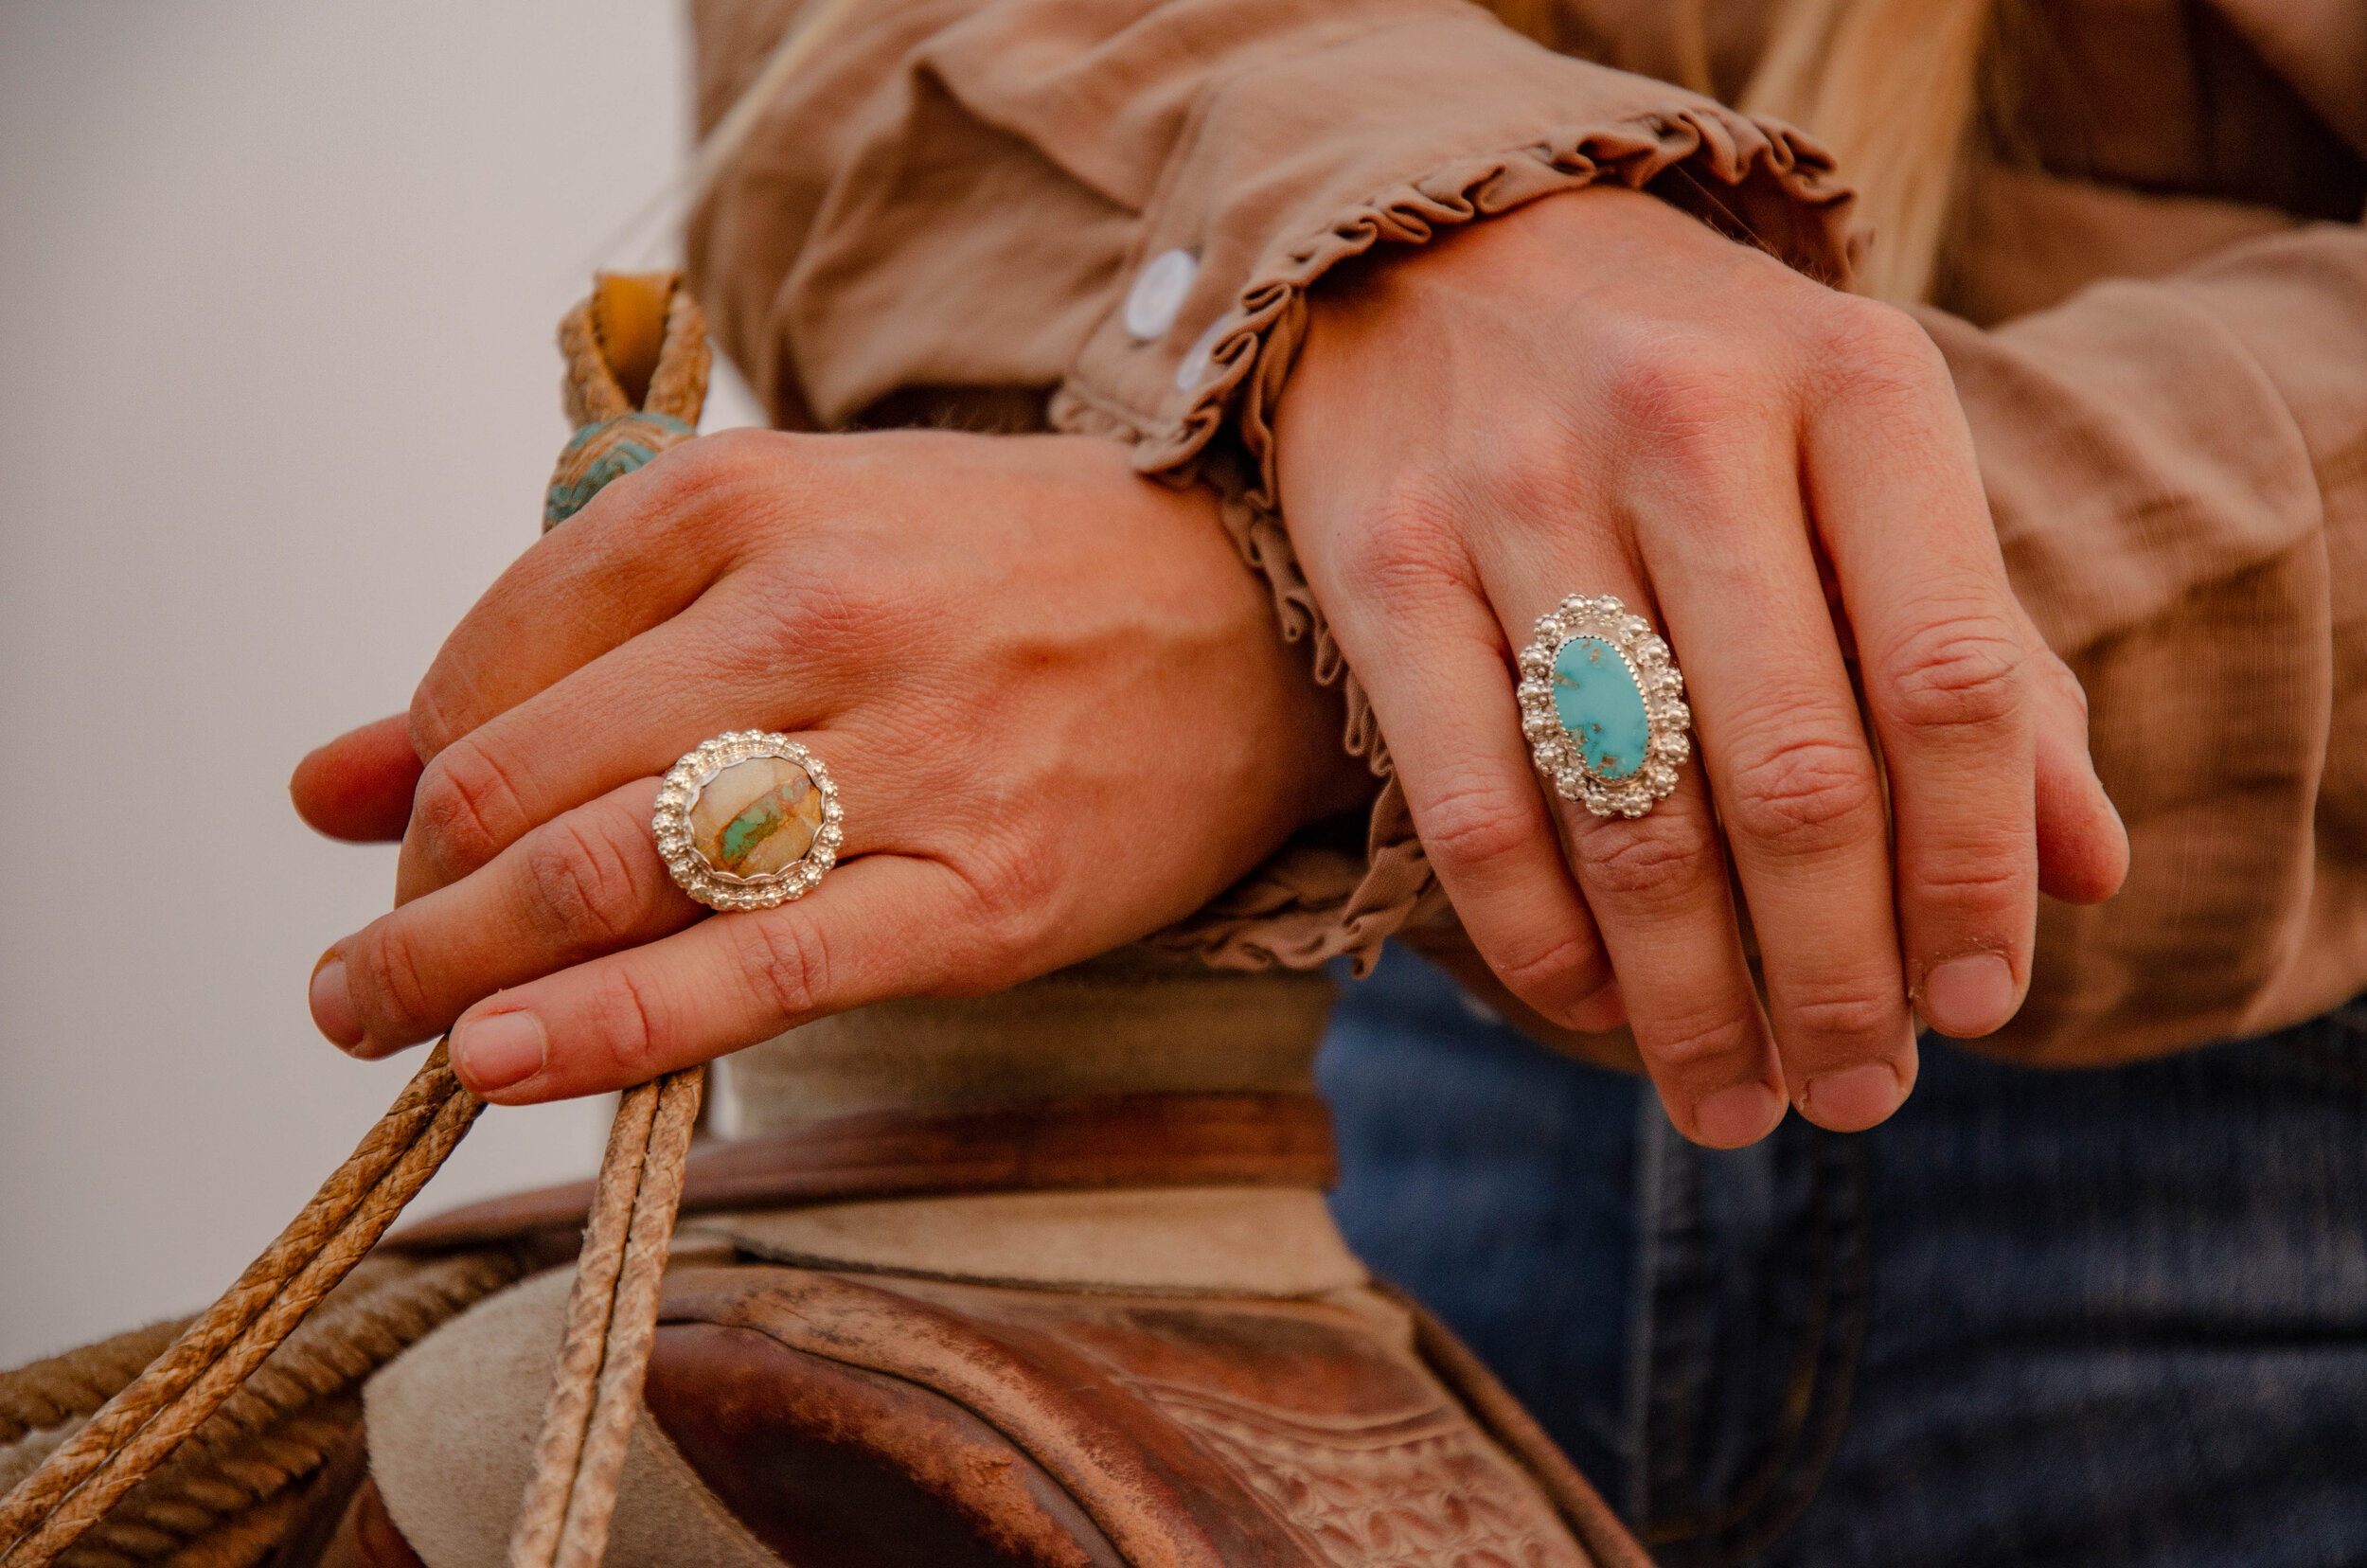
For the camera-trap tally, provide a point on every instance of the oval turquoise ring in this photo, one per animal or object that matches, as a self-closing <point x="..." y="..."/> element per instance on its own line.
<point x="1603" y="707"/>
<point x="750" y="820"/>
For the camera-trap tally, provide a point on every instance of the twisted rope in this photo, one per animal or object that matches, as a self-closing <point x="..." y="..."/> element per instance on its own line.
<point x="188" y="1507"/>
<point x="50" y="1393"/>
<point x="611" y="1318"/>
<point x="278" y="1429"/>
<point x="133" y="1432"/>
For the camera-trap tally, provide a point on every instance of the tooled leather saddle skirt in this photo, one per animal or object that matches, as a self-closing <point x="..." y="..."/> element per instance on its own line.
<point x="1096" y="1330"/>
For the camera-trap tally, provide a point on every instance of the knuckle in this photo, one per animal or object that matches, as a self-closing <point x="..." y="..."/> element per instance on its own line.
<point x="826" y="603"/>
<point x="1642" y="861"/>
<point x="697" y="476"/>
<point x="1475" y="826"/>
<point x="1961" y="671"/>
<point x="2049" y="672"/>
<point x="719" y="484"/>
<point x="1708" y="1038"/>
<point x="1003" y="898"/>
<point x="787" y="961"/>
<point x="390" y="986"/>
<point x="626" y="1025"/>
<point x="1701" y="413"/>
<point x="1682" y="386"/>
<point x="431" y="728"/>
<point x="466" y="810"/>
<point x="1870" y="349"/>
<point x="1803" y="795"/>
<point x="1547" y="971"/>
<point x="585" y="891"/>
<point x="1010" y="894"/>
<point x="1849" y="1013"/>
<point x="1975" y="878"/>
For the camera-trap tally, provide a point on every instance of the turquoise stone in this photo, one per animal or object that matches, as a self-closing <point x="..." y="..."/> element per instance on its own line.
<point x="1597" y="702"/>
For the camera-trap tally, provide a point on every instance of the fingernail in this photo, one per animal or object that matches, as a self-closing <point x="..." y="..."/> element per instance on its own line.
<point x="1601" y="1012"/>
<point x="333" y="1012"/>
<point x="1972" y="995"/>
<point x="497" y="1050"/>
<point x="1742" y="1114"/>
<point x="1853" y="1098"/>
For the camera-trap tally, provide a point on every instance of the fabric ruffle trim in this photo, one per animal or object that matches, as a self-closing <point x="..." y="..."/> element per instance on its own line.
<point x="1311" y="903"/>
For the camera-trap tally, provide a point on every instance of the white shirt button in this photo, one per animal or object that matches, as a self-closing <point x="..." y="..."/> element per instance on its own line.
<point x="1158" y="294"/>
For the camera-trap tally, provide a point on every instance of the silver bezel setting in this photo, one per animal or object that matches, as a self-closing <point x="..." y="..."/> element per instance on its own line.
<point x="1556" y="751"/>
<point x="722" y="889"/>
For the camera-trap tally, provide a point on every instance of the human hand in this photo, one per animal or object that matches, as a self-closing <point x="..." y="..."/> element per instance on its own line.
<point x="1598" y="394"/>
<point x="1055" y="701"/>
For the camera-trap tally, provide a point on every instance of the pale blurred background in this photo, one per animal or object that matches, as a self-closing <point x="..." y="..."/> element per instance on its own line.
<point x="278" y="399"/>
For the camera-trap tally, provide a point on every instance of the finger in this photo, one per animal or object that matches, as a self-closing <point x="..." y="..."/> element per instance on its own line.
<point x="1659" y="889"/>
<point x="1798" y="794"/>
<point x="645" y="548"/>
<point x="628" y="714"/>
<point x="358" y="787"/>
<point x="1892" y="484"/>
<point x="1436" y="675"/>
<point x="586" y="883"/>
<point x="589" y="881"/>
<point x="2083" y="847"/>
<point x="885" y="926"/>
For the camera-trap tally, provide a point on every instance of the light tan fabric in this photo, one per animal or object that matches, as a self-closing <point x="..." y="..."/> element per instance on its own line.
<point x="1118" y="1026"/>
<point x="453" y="1486"/>
<point x="944" y="215"/>
<point x="1239" y="1242"/>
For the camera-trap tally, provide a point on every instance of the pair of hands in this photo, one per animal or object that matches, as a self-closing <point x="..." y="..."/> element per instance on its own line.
<point x="1061" y="717"/>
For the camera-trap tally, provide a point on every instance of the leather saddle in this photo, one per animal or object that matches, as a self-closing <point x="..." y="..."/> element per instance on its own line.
<point x="862" y="1412"/>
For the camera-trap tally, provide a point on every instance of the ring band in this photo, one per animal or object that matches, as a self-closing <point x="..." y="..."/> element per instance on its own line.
<point x="750" y="820"/>
<point x="1603" y="706"/>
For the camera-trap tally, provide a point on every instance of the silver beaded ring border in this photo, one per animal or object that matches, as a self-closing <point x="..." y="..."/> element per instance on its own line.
<point x="1556" y="751"/>
<point x="722" y="889"/>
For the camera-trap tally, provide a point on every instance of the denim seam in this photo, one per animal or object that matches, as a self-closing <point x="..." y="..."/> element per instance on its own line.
<point x="1815" y="1408"/>
<point x="1653" y="1135"/>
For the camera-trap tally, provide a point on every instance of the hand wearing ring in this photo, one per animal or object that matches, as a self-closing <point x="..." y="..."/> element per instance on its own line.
<point x="999" y="649"/>
<point x="1599" y="390"/>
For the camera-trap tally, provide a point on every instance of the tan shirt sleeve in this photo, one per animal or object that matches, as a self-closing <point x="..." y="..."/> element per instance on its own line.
<point x="1120" y="205"/>
<point x="2178" y="473"/>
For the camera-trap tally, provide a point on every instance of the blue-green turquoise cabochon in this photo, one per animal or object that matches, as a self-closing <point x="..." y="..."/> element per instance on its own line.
<point x="1597" y="699"/>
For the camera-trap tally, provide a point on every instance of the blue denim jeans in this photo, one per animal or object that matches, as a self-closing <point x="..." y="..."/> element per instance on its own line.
<point x="2101" y="1318"/>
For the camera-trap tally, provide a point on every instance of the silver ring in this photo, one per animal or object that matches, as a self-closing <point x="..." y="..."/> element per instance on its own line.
<point x="748" y="820"/>
<point x="1604" y="708"/>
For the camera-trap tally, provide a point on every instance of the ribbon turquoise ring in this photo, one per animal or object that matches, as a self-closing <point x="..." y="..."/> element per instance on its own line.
<point x="1603" y="707"/>
<point x="748" y="821"/>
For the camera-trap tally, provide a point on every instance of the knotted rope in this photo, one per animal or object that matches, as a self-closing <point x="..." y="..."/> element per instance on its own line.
<point x="637" y="355"/>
